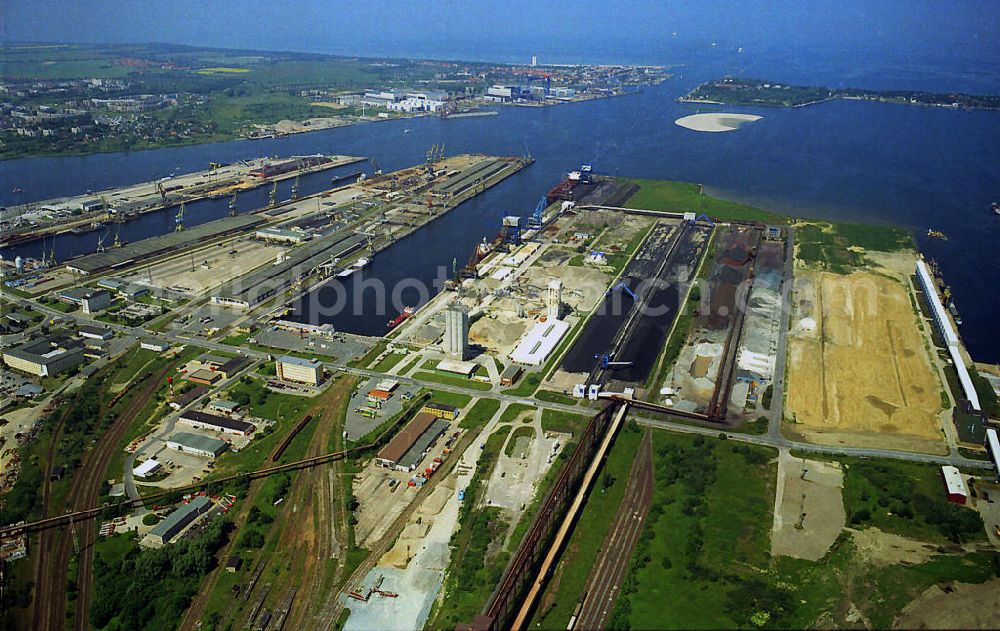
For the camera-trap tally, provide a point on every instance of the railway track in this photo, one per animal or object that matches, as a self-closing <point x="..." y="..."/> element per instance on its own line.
<point x="333" y="607"/>
<point x="49" y="612"/>
<point x="605" y="580"/>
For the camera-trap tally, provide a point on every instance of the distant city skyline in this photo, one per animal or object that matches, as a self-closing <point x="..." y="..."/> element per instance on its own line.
<point x="637" y="31"/>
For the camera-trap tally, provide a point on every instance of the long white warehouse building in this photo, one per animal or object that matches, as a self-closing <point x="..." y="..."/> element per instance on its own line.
<point x="947" y="333"/>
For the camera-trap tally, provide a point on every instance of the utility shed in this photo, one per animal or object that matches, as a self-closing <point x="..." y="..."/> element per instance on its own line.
<point x="954" y="484"/>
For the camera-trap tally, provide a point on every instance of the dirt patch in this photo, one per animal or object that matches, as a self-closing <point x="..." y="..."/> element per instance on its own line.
<point x="498" y="334"/>
<point x="809" y="508"/>
<point x="859" y="364"/>
<point x="953" y="606"/>
<point x="879" y="548"/>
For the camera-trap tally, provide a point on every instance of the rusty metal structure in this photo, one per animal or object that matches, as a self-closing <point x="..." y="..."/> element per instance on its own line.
<point x="507" y="598"/>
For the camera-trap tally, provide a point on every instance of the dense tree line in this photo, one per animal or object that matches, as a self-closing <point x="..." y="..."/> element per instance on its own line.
<point x="151" y="588"/>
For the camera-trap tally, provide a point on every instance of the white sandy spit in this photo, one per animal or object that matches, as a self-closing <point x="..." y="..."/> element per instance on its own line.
<point x="715" y="122"/>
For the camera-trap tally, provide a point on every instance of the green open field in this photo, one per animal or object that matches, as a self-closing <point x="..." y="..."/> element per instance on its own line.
<point x="704" y="562"/>
<point x="480" y="414"/>
<point x="907" y="499"/>
<point x="450" y="380"/>
<point x="683" y="197"/>
<point x="837" y="247"/>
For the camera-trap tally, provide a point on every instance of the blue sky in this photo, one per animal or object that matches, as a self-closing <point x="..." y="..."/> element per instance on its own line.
<point x="586" y="29"/>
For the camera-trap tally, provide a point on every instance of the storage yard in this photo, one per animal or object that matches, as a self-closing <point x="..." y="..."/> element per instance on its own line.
<point x="84" y="211"/>
<point x="730" y="350"/>
<point x="859" y="370"/>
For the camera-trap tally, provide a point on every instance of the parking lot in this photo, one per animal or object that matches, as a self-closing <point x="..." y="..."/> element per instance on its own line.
<point x="337" y="346"/>
<point x="359" y="423"/>
<point x="205" y="321"/>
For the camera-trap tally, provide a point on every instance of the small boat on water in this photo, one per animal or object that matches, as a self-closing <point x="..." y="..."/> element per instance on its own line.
<point x="402" y="317"/>
<point x="937" y="234"/>
<point x="996" y="208"/>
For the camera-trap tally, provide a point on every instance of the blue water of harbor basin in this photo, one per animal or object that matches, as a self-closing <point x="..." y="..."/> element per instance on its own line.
<point x="916" y="167"/>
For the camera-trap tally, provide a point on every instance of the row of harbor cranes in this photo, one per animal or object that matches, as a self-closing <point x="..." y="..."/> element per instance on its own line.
<point x="435" y="153"/>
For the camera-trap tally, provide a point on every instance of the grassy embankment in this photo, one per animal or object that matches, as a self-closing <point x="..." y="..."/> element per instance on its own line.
<point x="703" y="559"/>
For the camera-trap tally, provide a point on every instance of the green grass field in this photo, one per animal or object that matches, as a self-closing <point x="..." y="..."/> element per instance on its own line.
<point x="450" y="398"/>
<point x="682" y="197"/>
<point x="906" y="499"/>
<point x="838" y="247"/>
<point x="584" y="546"/>
<point x="513" y="411"/>
<point x="480" y="414"/>
<point x="451" y="380"/>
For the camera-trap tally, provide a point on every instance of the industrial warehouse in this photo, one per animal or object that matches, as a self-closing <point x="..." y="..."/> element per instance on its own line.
<point x="142" y="251"/>
<point x="204" y="420"/>
<point x="408" y="447"/>
<point x="197" y="444"/>
<point x="179" y="519"/>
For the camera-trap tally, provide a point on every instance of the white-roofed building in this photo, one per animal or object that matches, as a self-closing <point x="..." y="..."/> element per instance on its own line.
<point x="539" y="342"/>
<point x="955" y="485"/>
<point x="457" y="367"/>
<point x="993" y="447"/>
<point x="947" y="331"/>
<point x="147" y="468"/>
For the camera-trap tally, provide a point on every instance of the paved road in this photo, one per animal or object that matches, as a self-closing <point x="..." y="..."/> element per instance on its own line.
<point x="772" y="438"/>
<point x="778" y="385"/>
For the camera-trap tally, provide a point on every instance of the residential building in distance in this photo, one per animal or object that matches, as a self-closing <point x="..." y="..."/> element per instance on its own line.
<point x="297" y="369"/>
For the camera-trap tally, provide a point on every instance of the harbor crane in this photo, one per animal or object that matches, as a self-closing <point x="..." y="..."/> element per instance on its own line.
<point x="179" y="219"/>
<point x="535" y="221"/>
<point x="272" y="198"/>
<point x="232" y="205"/>
<point x="162" y="191"/>
<point x="622" y="285"/>
<point x="100" y="242"/>
<point x="295" y="188"/>
<point x="607" y="361"/>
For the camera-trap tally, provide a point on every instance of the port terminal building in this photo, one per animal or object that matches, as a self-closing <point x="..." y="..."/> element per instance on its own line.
<point x="268" y="280"/>
<point x="163" y="244"/>
<point x="948" y="334"/>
